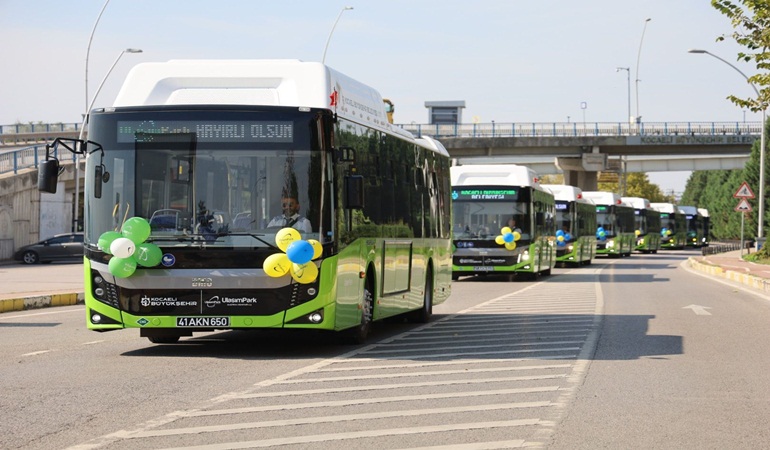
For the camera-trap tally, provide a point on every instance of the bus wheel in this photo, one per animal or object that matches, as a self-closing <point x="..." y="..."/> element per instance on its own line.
<point x="163" y="339"/>
<point x="359" y="333"/>
<point x="423" y="314"/>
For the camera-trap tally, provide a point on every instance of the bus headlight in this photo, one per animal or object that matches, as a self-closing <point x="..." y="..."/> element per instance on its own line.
<point x="610" y="244"/>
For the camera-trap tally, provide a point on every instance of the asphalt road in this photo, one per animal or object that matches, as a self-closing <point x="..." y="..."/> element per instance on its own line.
<point x="628" y="353"/>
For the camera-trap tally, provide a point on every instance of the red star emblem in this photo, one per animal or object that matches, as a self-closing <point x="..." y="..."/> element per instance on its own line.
<point x="333" y="98"/>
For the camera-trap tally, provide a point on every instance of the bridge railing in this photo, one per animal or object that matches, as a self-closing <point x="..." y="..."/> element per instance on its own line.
<point x="21" y="128"/>
<point x="26" y="158"/>
<point x="566" y="129"/>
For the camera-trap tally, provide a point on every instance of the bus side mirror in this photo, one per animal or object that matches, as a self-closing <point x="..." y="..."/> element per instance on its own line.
<point x="354" y="192"/>
<point x="48" y="176"/>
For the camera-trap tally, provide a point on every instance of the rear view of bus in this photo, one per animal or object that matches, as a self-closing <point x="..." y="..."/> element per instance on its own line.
<point x="575" y="225"/>
<point x="647" y="225"/>
<point x="503" y="221"/>
<point x="695" y="228"/>
<point x="615" y="224"/>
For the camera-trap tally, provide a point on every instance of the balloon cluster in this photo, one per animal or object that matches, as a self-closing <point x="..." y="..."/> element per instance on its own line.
<point x="296" y="258"/>
<point x="508" y="238"/>
<point x="601" y="234"/>
<point x="665" y="232"/>
<point x="637" y="232"/>
<point x="128" y="248"/>
<point x="562" y="237"/>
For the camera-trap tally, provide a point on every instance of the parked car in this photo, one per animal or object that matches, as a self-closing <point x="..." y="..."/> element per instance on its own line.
<point x="62" y="247"/>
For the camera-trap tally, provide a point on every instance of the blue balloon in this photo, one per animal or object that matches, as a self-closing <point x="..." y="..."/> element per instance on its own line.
<point x="663" y="231"/>
<point x="559" y="233"/>
<point x="567" y="236"/>
<point x="300" y="252"/>
<point x="508" y="237"/>
<point x="600" y="230"/>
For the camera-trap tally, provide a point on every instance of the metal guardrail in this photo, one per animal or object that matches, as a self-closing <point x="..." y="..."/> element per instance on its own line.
<point x="20" y="128"/>
<point x="569" y="129"/>
<point x="25" y="158"/>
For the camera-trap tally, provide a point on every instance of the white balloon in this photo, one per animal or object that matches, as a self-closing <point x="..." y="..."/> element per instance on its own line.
<point x="122" y="247"/>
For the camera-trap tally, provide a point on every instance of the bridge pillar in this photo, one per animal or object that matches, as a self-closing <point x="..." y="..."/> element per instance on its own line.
<point x="583" y="172"/>
<point x="586" y="181"/>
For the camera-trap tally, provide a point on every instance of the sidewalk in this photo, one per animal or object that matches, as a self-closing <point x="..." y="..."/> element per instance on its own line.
<point x="39" y="286"/>
<point x="730" y="266"/>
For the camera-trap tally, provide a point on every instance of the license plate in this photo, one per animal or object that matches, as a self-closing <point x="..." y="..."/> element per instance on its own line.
<point x="484" y="269"/>
<point x="203" y="321"/>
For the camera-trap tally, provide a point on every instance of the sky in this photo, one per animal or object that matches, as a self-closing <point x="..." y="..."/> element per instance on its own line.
<point x="509" y="60"/>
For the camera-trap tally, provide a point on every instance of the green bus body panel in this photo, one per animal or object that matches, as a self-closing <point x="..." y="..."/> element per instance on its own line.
<point x="339" y="279"/>
<point x="583" y="249"/>
<point x="624" y="244"/>
<point x="648" y="243"/>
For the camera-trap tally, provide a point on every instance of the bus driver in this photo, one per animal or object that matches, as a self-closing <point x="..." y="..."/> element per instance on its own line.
<point x="290" y="216"/>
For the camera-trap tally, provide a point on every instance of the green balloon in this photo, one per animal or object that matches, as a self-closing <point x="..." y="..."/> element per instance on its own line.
<point x="122" y="267"/>
<point x="147" y="255"/>
<point x="137" y="229"/>
<point x="105" y="240"/>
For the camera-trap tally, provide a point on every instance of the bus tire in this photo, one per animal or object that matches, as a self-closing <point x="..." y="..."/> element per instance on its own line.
<point x="423" y="314"/>
<point x="359" y="333"/>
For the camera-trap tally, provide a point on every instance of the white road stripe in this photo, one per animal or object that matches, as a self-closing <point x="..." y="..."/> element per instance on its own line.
<point x="361" y="434"/>
<point x="332" y="419"/>
<point x="342" y="366"/>
<point x="471" y="347"/>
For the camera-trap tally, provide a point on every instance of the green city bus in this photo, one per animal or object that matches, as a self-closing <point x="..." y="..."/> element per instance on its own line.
<point x="615" y="224"/>
<point x="204" y="155"/>
<point x="575" y="225"/>
<point x="503" y="222"/>
<point x="647" y="225"/>
<point x="695" y="227"/>
<point x="673" y="226"/>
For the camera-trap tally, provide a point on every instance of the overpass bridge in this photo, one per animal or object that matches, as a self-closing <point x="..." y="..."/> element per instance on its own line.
<point x="578" y="150"/>
<point x="581" y="150"/>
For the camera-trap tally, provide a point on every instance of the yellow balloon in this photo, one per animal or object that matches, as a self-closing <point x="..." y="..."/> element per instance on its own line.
<point x="560" y="238"/>
<point x="516" y="235"/>
<point x="506" y="230"/>
<point x="286" y="236"/>
<point x="317" y="248"/>
<point x="499" y="240"/>
<point x="637" y="232"/>
<point x="304" y="273"/>
<point x="510" y="245"/>
<point x="276" y="265"/>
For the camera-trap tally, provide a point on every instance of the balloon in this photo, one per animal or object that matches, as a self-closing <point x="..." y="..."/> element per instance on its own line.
<point x="304" y="273"/>
<point x="600" y="229"/>
<point x="508" y="237"/>
<point x="560" y="238"/>
<point x="637" y="232"/>
<point x="122" y="247"/>
<point x="148" y="255"/>
<point x="286" y="236"/>
<point x="663" y="231"/>
<point x="668" y="232"/>
<point x="499" y="240"/>
<point x="567" y="236"/>
<point x="106" y="239"/>
<point x="559" y="233"/>
<point x="318" y="249"/>
<point x="122" y="267"/>
<point x="510" y="245"/>
<point x="137" y="229"/>
<point x="516" y="235"/>
<point x="276" y="265"/>
<point x="506" y="230"/>
<point x="300" y="252"/>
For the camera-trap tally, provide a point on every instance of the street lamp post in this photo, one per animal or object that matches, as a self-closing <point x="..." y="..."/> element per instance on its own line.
<point x="628" y="117"/>
<point x="761" y="199"/>
<point x="638" y="57"/>
<point x="85" y="122"/>
<point x="326" y="47"/>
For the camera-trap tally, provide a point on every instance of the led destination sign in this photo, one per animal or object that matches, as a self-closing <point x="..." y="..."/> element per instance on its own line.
<point x="208" y="131"/>
<point x="485" y="194"/>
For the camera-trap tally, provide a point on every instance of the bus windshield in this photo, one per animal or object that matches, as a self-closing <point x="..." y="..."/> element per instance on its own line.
<point x="485" y="219"/>
<point x="199" y="182"/>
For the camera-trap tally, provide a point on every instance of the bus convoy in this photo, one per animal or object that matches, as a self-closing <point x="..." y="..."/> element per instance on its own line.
<point x="264" y="194"/>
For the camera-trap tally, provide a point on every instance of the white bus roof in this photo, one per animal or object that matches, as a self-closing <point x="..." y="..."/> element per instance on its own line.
<point x="280" y="82"/>
<point x="703" y="212"/>
<point x="637" y="202"/>
<point x="602" y="197"/>
<point x="494" y="175"/>
<point x="691" y="210"/>
<point x="665" y="207"/>
<point x="565" y="192"/>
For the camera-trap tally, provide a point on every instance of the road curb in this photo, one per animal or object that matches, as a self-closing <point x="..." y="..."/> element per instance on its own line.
<point x="752" y="281"/>
<point x="41" y="301"/>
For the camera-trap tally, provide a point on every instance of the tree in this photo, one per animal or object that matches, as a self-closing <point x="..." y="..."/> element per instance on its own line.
<point x="638" y="185"/>
<point x="751" y="23"/>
